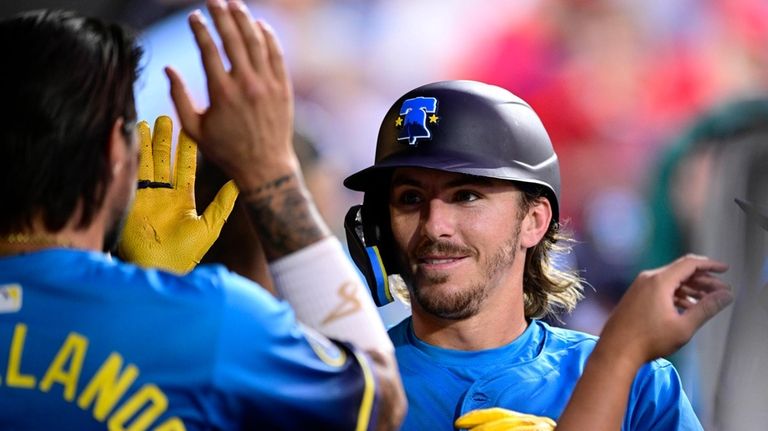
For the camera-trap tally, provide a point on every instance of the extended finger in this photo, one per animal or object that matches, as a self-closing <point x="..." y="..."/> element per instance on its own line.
<point x="705" y="282"/>
<point x="682" y="269"/>
<point x="683" y="303"/>
<point x="230" y="34"/>
<point x="707" y="307"/>
<point x="209" y="53"/>
<point x="146" y="164"/>
<point x="186" y="162"/>
<point x="161" y="148"/>
<point x="686" y="291"/>
<point x="188" y="115"/>
<point x="219" y="209"/>
<point x="274" y="51"/>
<point x="252" y="36"/>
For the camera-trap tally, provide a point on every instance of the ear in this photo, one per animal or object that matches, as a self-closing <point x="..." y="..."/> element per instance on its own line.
<point x="117" y="147"/>
<point x="535" y="223"/>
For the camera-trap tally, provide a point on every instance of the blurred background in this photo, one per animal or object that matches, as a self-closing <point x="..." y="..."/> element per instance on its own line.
<point x="627" y="90"/>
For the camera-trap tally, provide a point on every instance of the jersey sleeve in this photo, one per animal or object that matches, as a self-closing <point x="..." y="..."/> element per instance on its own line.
<point x="274" y="373"/>
<point x="657" y="401"/>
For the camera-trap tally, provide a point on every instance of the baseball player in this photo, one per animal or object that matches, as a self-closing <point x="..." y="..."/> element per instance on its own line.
<point x="462" y="205"/>
<point x="91" y="342"/>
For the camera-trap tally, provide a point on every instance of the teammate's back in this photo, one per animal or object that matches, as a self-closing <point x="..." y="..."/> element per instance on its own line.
<point x="109" y="342"/>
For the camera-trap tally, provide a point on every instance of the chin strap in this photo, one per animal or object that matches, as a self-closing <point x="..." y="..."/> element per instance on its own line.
<point x="367" y="257"/>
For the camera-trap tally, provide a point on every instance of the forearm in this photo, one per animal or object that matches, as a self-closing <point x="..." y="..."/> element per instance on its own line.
<point x="312" y="272"/>
<point x="657" y="315"/>
<point x="600" y="398"/>
<point x="327" y="294"/>
<point x="308" y="265"/>
<point x="283" y="214"/>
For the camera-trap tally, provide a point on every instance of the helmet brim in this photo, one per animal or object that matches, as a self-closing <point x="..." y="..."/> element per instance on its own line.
<point x="377" y="176"/>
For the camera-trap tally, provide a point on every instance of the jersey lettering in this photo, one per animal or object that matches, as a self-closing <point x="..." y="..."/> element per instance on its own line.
<point x="149" y="396"/>
<point x="72" y="352"/>
<point x="103" y="392"/>
<point x="13" y="375"/>
<point x="107" y="386"/>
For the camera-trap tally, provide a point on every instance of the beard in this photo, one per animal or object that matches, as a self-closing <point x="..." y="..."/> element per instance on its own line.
<point x="119" y="216"/>
<point x="112" y="235"/>
<point x="466" y="301"/>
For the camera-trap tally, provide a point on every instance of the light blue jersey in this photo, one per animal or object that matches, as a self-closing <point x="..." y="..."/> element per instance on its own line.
<point x="90" y="343"/>
<point x="536" y="374"/>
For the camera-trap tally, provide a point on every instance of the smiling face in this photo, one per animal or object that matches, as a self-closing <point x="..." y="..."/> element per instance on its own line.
<point x="457" y="237"/>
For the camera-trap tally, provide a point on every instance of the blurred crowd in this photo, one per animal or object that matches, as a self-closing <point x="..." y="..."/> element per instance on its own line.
<point x="614" y="81"/>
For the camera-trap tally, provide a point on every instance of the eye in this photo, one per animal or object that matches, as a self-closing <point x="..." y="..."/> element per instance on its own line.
<point x="465" y="196"/>
<point x="407" y="197"/>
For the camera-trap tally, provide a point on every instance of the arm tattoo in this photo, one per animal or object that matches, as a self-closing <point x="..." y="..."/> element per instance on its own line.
<point x="284" y="216"/>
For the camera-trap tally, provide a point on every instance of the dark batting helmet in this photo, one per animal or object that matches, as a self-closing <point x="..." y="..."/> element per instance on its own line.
<point x="466" y="127"/>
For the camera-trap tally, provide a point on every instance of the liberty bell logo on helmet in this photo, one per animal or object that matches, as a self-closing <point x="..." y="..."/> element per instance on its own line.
<point x="412" y="120"/>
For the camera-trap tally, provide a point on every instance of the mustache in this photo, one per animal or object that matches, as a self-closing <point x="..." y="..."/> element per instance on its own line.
<point x="442" y="248"/>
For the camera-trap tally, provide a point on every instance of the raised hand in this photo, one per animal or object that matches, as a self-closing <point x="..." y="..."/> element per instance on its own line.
<point x="247" y="129"/>
<point x="660" y="312"/>
<point x="664" y="307"/>
<point x="163" y="229"/>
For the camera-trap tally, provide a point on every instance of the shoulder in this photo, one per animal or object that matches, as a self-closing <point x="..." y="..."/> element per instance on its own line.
<point x="242" y="300"/>
<point x="557" y="337"/>
<point x="204" y="281"/>
<point x="659" y="373"/>
<point x="211" y="290"/>
<point x="657" y="400"/>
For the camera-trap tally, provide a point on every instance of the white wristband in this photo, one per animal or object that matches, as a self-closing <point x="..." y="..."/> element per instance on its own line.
<point x="328" y="295"/>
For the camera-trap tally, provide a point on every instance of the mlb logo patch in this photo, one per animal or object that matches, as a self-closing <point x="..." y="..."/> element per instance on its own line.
<point x="325" y="349"/>
<point x="10" y="298"/>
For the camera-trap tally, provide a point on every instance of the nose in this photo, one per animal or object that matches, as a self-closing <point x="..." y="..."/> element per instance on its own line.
<point x="437" y="220"/>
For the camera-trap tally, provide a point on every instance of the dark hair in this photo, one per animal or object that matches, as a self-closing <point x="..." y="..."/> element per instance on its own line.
<point x="548" y="289"/>
<point x="65" y="81"/>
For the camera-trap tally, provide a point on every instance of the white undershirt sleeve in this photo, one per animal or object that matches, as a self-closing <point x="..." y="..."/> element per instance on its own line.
<point x="327" y="294"/>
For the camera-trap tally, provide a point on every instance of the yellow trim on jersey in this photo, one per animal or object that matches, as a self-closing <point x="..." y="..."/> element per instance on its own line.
<point x="336" y="362"/>
<point x="366" y="405"/>
<point x="325" y="349"/>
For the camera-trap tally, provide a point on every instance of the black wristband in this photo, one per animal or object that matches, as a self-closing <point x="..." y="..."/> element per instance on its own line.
<point x="147" y="184"/>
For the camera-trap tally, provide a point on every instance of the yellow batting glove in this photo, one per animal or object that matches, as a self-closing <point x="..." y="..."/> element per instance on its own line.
<point x="498" y="419"/>
<point x="163" y="229"/>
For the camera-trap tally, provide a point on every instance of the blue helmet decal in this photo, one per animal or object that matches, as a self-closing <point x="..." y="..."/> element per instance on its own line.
<point x="413" y="119"/>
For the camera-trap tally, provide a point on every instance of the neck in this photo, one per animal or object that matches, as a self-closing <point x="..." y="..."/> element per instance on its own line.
<point x="499" y="322"/>
<point x="39" y="238"/>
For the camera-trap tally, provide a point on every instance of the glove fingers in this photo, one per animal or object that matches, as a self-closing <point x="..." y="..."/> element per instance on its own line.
<point x="186" y="162"/>
<point x="513" y="424"/>
<point x="161" y="148"/>
<point x="496" y="418"/>
<point x="481" y="416"/>
<point x="220" y="208"/>
<point x="146" y="164"/>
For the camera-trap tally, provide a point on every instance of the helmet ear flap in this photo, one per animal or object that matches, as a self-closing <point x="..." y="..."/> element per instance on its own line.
<point x="364" y="238"/>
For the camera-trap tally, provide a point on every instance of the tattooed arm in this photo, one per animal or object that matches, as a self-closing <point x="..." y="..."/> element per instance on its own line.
<point x="247" y="131"/>
<point x="284" y="216"/>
